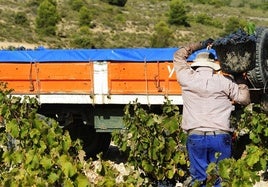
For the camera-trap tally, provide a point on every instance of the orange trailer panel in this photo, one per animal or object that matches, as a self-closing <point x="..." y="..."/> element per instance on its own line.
<point x="30" y="78"/>
<point x="142" y="78"/>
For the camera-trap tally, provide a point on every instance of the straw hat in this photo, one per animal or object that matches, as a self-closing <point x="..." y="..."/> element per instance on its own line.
<point x="205" y="59"/>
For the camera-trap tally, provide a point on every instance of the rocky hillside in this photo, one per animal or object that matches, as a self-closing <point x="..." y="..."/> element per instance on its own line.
<point x="130" y="26"/>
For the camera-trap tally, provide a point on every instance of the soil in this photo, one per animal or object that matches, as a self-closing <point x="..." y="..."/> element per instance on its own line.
<point x="118" y="159"/>
<point x="5" y="45"/>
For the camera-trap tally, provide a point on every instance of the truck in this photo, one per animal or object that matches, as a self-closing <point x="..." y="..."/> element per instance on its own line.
<point x="86" y="90"/>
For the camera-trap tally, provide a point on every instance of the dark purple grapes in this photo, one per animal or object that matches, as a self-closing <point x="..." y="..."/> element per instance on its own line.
<point x="236" y="52"/>
<point x="240" y="36"/>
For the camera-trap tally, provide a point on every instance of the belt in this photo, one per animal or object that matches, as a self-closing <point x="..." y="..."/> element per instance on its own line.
<point x="216" y="132"/>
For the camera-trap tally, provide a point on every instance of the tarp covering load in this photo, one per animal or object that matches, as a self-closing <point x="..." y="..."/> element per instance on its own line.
<point x="236" y="52"/>
<point x="87" y="55"/>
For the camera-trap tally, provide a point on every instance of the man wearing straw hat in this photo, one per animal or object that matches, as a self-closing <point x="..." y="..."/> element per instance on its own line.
<point x="208" y="99"/>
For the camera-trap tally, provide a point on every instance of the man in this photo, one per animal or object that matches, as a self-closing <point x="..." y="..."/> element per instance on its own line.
<point x="207" y="105"/>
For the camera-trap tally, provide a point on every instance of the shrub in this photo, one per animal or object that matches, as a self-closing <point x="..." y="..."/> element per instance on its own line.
<point x="85" y="17"/>
<point x="178" y="13"/>
<point x="205" y="19"/>
<point x="47" y="18"/>
<point x="76" y="4"/>
<point x="116" y="2"/>
<point x="245" y="171"/>
<point x="154" y="142"/>
<point x="233" y="24"/>
<point x="34" y="150"/>
<point x="20" y="18"/>
<point x="162" y="36"/>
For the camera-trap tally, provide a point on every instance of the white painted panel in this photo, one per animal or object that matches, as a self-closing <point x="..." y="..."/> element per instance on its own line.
<point x="100" y="77"/>
<point x="104" y="99"/>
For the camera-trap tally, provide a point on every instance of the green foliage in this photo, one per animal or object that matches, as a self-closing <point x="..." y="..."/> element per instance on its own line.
<point x="263" y="5"/>
<point x="154" y="142"/>
<point x="246" y="170"/>
<point x="109" y="175"/>
<point x="178" y="13"/>
<point x="120" y="3"/>
<point x="216" y="3"/>
<point x="205" y="19"/>
<point x="233" y="24"/>
<point x="47" y="18"/>
<point x="162" y="36"/>
<point x="139" y="18"/>
<point x="83" y="38"/>
<point x="20" y="18"/>
<point x="76" y="4"/>
<point x="85" y="17"/>
<point x="34" y="150"/>
<point x="250" y="28"/>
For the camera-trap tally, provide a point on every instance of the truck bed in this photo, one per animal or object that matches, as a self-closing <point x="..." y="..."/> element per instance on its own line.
<point x="92" y="76"/>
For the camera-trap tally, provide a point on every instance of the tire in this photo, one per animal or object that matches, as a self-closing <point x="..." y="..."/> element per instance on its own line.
<point x="93" y="142"/>
<point x="258" y="77"/>
<point x="264" y="103"/>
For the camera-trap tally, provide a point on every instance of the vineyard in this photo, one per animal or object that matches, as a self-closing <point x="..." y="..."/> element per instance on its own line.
<point x="61" y="108"/>
<point x="35" y="151"/>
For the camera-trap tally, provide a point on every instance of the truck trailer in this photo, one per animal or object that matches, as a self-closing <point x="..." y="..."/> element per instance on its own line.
<point x="86" y="90"/>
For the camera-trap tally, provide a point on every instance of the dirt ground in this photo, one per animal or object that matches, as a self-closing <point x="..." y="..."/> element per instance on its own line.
<point x="4" y="45"/>
<point x="115" y="156"/>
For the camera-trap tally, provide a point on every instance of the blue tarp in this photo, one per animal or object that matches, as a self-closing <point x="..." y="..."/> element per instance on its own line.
<point x="86" y="55"/>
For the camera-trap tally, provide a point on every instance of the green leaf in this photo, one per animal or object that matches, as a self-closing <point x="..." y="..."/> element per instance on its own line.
<point x="150" y="122"/>
<point x="67" y="183"/>
<point x="18" y="157"/>
<point x="82" y="181"/>
<point x="154" y="154"/>
<point x="171" y="124"/>
<point x="51" y="137"/>
<point x="29" y="156"/>
<point x="253" y="158"/>
<point x="66" y="142"/>
<point x="170" y="174"/>
<point x="147" y="166"/>
<point x="46" y="163"/>
<point x="67" y="167"/>
<point x="24" y="132"/>
<point x="52" y="178"/>
<point x="34" y="133"/>
<point x="13" y="128"/>
<point x="266" y="131"/>
<point x="224" y="170"/>
<point x="42" y="145"/>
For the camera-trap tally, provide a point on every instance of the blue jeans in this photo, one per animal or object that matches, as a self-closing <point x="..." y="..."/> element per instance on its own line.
<point x="201" y="151"/>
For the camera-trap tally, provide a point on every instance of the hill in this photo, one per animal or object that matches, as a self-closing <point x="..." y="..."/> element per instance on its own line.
<point x="121" y="27"/>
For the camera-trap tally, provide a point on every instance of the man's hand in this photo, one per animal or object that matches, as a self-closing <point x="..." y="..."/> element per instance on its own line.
<point x="240" y="78"/>
<point x="207" y="43"/>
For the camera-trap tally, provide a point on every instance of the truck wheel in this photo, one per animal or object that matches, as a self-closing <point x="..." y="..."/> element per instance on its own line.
<point x="264" y="102"/>
<point x="96" y="143"/>
<point x="92" y="141"/>
<point x="259" y="75"/>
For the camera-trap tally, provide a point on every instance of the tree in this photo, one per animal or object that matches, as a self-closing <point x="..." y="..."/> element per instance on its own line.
<point x="162" y="36"/>
<point x="234" y="23"/>
<point x="116" y="2"/>
<point x="76" y="4"/>
<point x="20" y="18"/>
<point x="47" y="18"/>
<point x="178" y="13"/>
<point x="85" y="17"/>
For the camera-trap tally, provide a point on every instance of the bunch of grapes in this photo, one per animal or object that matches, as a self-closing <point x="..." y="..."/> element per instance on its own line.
<point x="236" y="52"/>
<point x="240" y="36"/>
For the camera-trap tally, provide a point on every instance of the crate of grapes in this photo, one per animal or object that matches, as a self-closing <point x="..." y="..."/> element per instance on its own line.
<point x="236" y="52"/>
